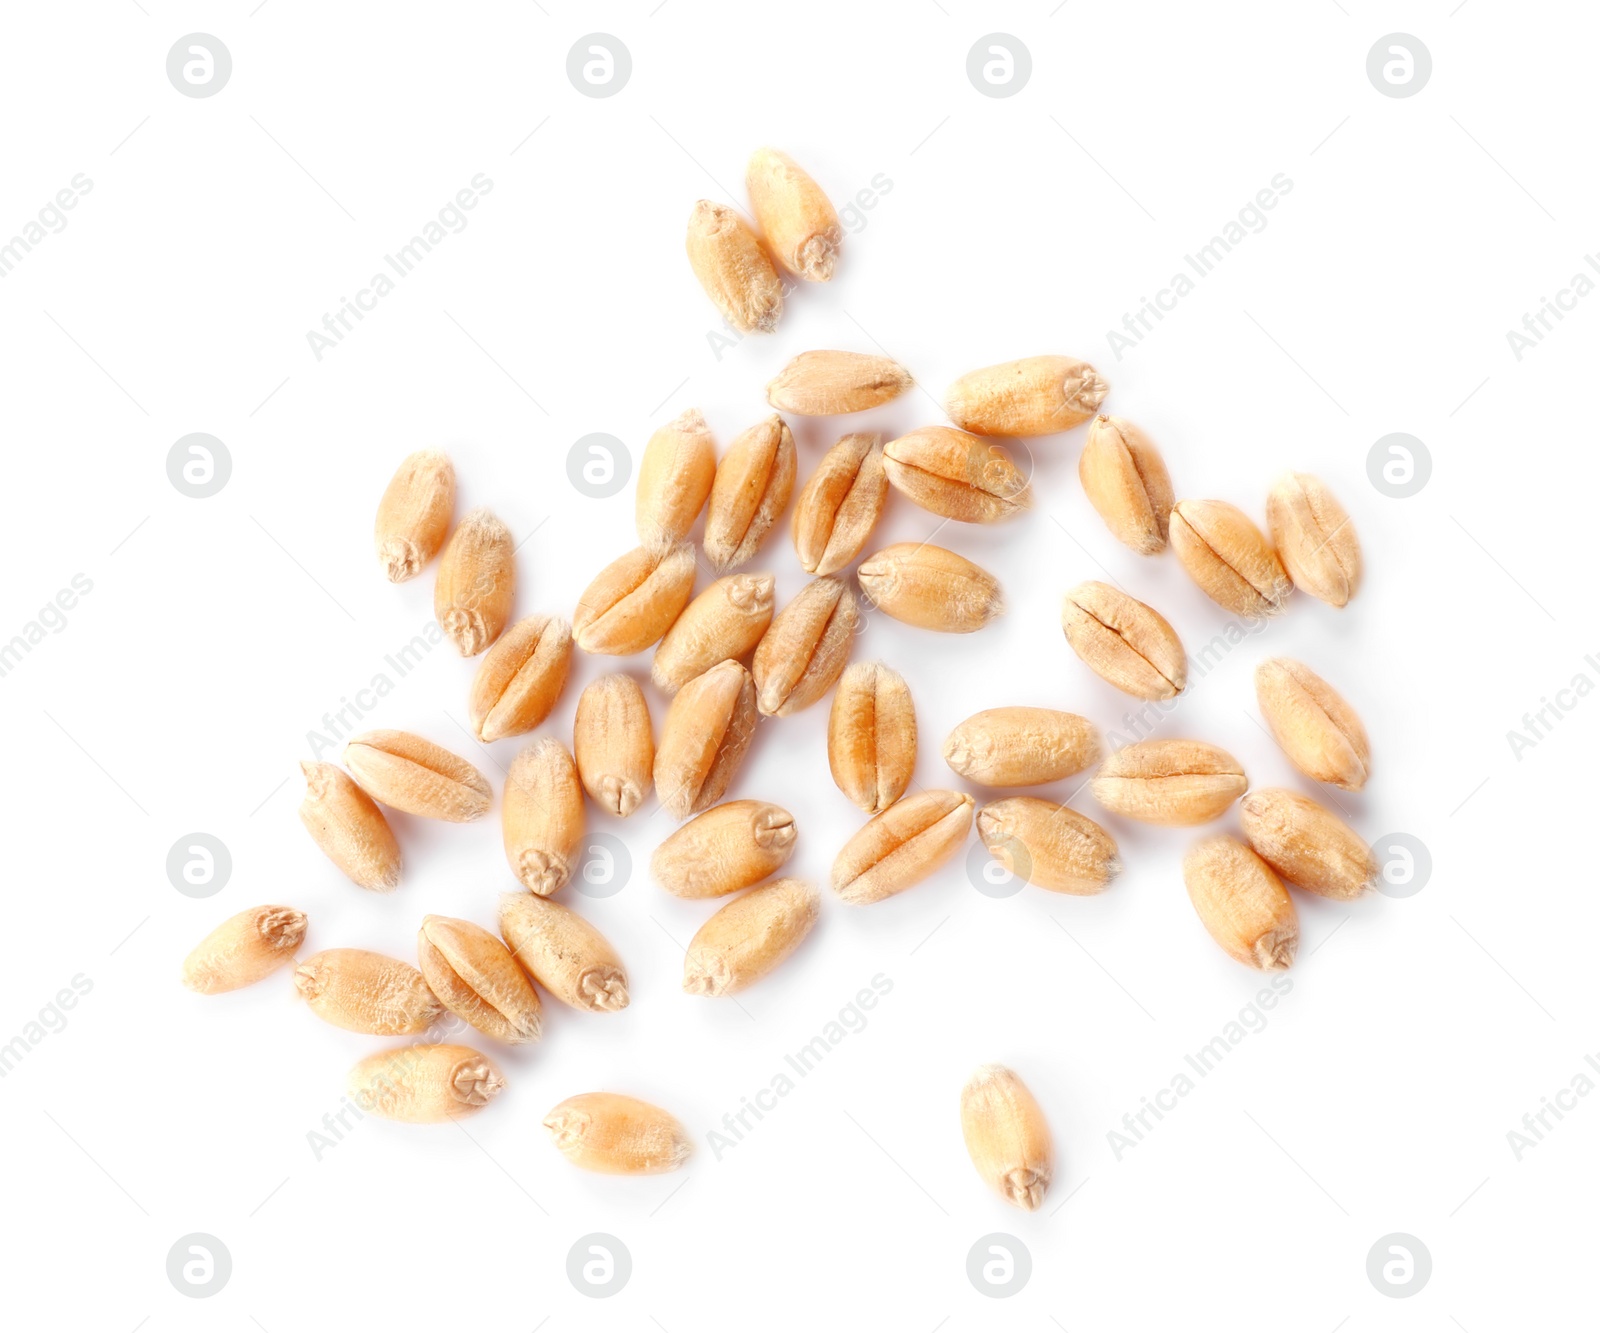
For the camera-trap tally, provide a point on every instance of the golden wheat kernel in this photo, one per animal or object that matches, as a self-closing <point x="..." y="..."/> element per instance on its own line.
<point x="1007" y="1136"/>
<point x="476" y="582"/>
<point x="477" y="979"/>
<point x="542" y="820"/>
<point x="1242" y="903"/>
<point x="349" y="828"/>
<point x="633" y="601"/>
<point x="424" y="1085"/>
<point x="613" y="745"/>
<point x="1021" y="746"/>
<point x="1314" y="537"/>
<point x="733" y="269"/>
<point x="726" y="621"/>
<point x="956" y="475"/>
<point x="409" y="773"/>
<point x="872" y="736"/>
<point x="520" y="678"/>
<point x="1124" y="642"/>
<point x="837" y="509"/>
<point x="1173" y="782"/>
<point x="827" y="384"/>
<point x="795" y="216"/>
<point x="929" y="587"/>
<point x="727" y="848"/>
<point x="247" y="946"/>
<point x="1228" y="558"/>
<point x="414" y="514"/>
<point x="707" y="731"/>
<point x="1318" y="730"/>
<point x="618" y="1135"/>
<point x="1125" y="479"/>
<point x="361" y="991"/>
<point x="805" y="648"/>
<point x="1306" y="844"/>
<point x="754" y="482"/>
<point x="903" y="846"/>
<point x="675" y="476"/>
<point x="1049" y="845"/>
<point x="564" y="953"/>
<point x="1038" y="395"/>
<point x="747" y="937"/>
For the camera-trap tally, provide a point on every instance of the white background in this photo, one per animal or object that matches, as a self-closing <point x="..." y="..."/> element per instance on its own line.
<point x="218" y="632"/>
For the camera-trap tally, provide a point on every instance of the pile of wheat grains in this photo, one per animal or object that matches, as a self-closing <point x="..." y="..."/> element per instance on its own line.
<point x="727" y="657"/>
